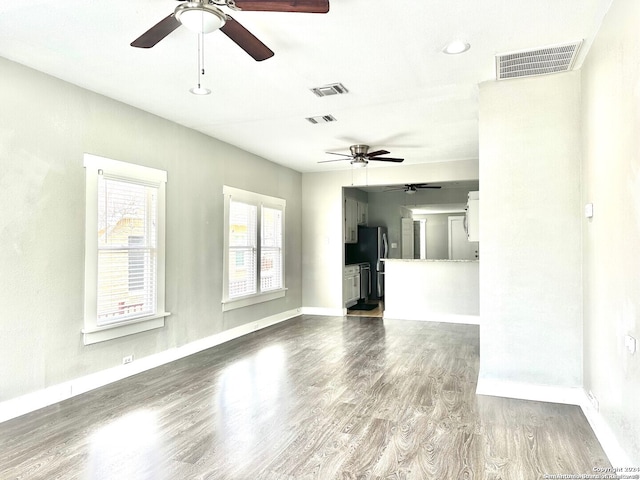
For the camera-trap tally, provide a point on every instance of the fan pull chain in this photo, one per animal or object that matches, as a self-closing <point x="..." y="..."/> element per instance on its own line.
<point x="199" y="90"/>
<point x="200" y="56"/>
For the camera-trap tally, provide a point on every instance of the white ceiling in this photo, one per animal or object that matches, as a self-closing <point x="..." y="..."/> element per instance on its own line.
<point x="405" y="95"/>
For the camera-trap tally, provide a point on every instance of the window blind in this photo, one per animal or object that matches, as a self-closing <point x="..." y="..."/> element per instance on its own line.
<point x="127" y="249"/>
<point x="243" y="221"/>
<point x="271" y="249"/>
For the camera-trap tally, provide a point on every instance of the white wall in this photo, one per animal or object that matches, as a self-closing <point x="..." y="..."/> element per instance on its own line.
<point x="530" y="231"/>
<point x="611" y="179"/>
<point x="323" y="251"/>
<point x="438" y="236"/>
<point x="440" y="291"/>
<point x="45" y="127"/>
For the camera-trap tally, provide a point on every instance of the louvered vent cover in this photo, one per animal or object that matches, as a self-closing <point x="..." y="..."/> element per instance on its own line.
<point x="537" y="62"/>
<point x="321" y="119"/>
<point x="327" y="90"/>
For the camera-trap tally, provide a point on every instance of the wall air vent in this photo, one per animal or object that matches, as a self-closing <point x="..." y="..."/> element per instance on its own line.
<point x="321" y="119"/>
<point x="542" y="61"/>
<point x="328" y="90"/>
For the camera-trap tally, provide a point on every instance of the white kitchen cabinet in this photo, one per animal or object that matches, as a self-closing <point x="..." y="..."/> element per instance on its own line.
<point x="351" y="285"/>
<point x="472" y="216"/>
<point x="355" y="213"/>
<point x="350" y="220"/>
<point x="363" y="213"/>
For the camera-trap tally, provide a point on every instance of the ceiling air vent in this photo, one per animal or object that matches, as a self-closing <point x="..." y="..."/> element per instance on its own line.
<point x="322" y="119"/>
<point x="327" y="90"/>
<point x="542" y="61"/>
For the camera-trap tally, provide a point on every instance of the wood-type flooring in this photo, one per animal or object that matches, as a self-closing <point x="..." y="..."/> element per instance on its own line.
<point x="312" y="398"/>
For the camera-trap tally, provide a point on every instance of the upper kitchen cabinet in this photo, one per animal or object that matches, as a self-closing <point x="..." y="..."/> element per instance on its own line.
<point x="472" y="213"/>
<point x="350" y="220"/>
<point x="355" y="213"/>
<point x="363" y="213"/>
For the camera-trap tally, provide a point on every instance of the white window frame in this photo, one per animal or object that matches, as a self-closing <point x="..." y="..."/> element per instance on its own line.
<point x="258" y="200"/>
<point x="94" y="167"/>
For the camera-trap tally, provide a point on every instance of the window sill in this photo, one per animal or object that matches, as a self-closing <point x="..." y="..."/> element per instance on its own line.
<point x="110" y="332"/>
<point x="232" y="304"/>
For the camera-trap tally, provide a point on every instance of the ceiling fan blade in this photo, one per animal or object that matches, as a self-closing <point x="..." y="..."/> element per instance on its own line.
<point x="377" y="152"/>
<point x="387" y="159"/>
<point x="246" y="40"/>
<point x="300" y="6"/>
<point x="429" y="186"/>
<point x="341" y="154"/>
<point x="335" y="160"/>
<point x="156" y="33"/>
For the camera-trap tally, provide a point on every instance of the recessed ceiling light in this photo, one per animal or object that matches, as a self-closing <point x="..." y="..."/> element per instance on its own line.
<point x="456" y="47"/>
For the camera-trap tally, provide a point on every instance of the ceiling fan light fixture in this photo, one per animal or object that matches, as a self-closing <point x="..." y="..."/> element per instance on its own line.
<point x="199" y="17"/>
<point x="456" y="47"/>
<point x="359" y="162"/>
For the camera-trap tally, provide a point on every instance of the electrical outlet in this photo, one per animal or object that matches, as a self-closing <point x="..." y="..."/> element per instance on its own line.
<point x="594" y="401"/>
<point x="127" y="359"/>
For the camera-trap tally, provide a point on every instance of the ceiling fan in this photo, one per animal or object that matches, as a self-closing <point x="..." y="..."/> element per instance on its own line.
<point x="411" y="188"/>
<point x="360" y="156"/>
<point x="205" y="16"/>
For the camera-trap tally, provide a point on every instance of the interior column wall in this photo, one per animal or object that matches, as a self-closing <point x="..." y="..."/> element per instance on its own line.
<point x="530" y="232"/>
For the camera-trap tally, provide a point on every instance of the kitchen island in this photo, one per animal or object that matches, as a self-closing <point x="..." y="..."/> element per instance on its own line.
<point x="432" y="290"/>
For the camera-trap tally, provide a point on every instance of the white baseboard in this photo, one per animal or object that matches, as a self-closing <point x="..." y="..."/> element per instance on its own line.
<point x="327" y="312"/>
<point x="433" y="317"/>
<point x="528" y="391"/>
<point x="42" y="398"/>
<point x="566" y="395"/>
<point x="615" y="453"/>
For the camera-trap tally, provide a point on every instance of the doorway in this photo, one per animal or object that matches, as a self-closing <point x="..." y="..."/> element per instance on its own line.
<point x="460" y="248"/>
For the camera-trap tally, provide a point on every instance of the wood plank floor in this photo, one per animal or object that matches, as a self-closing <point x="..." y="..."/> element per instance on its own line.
<point x="313" y="398"/>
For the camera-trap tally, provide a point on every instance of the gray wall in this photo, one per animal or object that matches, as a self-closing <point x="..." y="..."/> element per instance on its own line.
<point x="386" y="210"/>
<point x="611" y="181"/>
<point x="45" y="127"/>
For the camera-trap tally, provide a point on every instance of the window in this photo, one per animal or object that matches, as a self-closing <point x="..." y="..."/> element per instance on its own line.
<point x="254" y="248"/>
<point x="124" y="253"/>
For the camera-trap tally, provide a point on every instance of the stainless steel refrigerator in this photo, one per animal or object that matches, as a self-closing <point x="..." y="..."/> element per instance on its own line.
<point x="372" y="246"/>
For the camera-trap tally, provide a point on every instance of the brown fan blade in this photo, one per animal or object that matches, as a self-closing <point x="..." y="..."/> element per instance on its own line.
<point x="156" y="33"/>
<point x="423" y="185"/>
<point x="300" y="6"/>
<point x="246" y="40"/>
<point x="387" y="159"/>
<point x="377" y="152"/>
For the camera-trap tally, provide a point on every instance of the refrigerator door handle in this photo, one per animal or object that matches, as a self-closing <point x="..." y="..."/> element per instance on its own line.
<point x="385" y="251"/>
